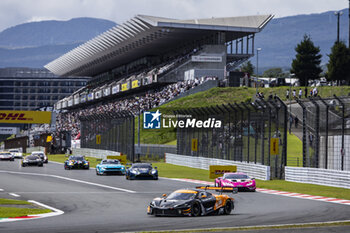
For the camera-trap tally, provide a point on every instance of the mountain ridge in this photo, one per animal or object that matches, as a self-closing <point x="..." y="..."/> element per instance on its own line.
<point x="35" y="44"/>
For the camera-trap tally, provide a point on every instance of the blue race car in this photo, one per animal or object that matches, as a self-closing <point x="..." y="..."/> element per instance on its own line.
<point x="110" y="167"/>
<point x="76" y="162"/>
<point x="141" y="171"/>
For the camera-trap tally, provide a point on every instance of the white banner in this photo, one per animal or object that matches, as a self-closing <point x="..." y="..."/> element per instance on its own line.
<point x="207" y="58"/>
<point x="8" y="130"/>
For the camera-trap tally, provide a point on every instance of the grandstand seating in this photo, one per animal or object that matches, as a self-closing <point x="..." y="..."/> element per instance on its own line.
<point x="69" y="120"/>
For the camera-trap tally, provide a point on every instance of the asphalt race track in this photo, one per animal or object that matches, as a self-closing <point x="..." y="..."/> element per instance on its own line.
<point x="113" y="204"/>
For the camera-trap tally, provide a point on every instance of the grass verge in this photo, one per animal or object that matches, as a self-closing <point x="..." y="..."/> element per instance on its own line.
<point x="10" y="208"/>
<point x="12" y="212"/>
<point x="175" y="171"/>
<point x="13" y="202"/>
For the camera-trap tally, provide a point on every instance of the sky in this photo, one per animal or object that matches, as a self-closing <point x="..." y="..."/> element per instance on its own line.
<point x="13" y="12"/>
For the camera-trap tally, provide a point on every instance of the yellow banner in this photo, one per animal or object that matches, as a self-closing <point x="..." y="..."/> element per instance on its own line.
<point x="49" y="138"/>
<point x="25" y="117"/>
<point x="98" y="139"/>
<point x="194" y="145"/>
<point x="274" y="146"/>
<point x="125" y="87"/>
<point x="216" y="171"/>
<point x="121" y="158"/>
<point x="135" y="84"/>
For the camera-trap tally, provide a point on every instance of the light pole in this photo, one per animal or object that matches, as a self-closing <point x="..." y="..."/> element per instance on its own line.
<point x="338" y="14"/>
<point x="257" y="68"/>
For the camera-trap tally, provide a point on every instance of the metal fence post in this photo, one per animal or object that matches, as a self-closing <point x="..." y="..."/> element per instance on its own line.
<point x="241" y="130"/>
<point x="304" y="132"/>
<point x="317" y="132"/>
<point x="326" y="140"/>
<point x="248" y="129"/>
<point x="342" y="132"/>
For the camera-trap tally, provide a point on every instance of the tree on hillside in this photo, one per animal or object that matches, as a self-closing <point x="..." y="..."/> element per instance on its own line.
<point x="273" y="73"/>
<point x="339" y="63"/>
<point x="247" y="67"/>
<point x="306" y="64"/>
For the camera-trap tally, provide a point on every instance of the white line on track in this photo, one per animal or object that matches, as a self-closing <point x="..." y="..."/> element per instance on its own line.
<point x="70" y="179"/>
<point x="1" y="190"/>
<point x="14" y="194"/>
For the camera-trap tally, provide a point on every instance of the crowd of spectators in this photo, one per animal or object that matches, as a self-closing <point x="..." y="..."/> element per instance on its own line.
<point x="69" y="120"/>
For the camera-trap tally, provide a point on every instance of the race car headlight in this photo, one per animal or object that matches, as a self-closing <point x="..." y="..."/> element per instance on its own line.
<point x="154" y="171"/>
<point x="153" y="203"/>
<point x="102" y="168"/>
<point x="25" y="160"/>
<point x="135" y="171"/>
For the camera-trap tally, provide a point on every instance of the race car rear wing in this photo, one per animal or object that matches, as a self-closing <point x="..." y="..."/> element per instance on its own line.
<point x="219" y="189"/>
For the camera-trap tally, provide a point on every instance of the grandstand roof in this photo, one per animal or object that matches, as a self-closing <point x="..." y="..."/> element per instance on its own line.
<point x="146" y="36"/>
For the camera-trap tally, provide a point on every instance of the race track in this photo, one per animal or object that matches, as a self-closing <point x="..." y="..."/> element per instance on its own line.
<point x="94" y="203"/>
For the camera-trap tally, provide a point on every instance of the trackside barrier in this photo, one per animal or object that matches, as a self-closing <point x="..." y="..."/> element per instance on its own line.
<point x="327" y="177"/>
<point x="257" y="171"/>
<point x="36" y="148"/>
<point x="101" y="154"/>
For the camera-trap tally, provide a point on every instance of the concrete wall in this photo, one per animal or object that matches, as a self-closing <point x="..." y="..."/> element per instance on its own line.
<point x="327" y="177"/>
<point x="101" y="154"/>
<point x="261" y="172"/>
<point x="156" y="150"/>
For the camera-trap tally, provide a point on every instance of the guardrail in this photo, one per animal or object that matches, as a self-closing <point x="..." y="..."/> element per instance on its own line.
<point x="257" y="171"/>
<point x="327" y="177"/>
<point x="101" y="154"/>
<point x="36" y="148"/>
<point x="156" y="150"/>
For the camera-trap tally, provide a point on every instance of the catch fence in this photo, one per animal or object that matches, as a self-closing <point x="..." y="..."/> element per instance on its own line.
<point x="109" y="131"/>
<point x="245" y="133"/>
<point x="325" y="132"/>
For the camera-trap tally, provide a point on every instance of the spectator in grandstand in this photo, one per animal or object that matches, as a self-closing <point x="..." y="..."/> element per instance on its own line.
<point x="69" y="121"/>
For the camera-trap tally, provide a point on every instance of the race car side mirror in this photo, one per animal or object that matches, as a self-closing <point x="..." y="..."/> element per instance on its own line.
<point x="164" y="195"/>
<point x="155" y="167"/>
<point x="87" y="159"/>
<point x="253" y="178"/>
<point x="204" y="196"/>
<point x="235" y="190"/>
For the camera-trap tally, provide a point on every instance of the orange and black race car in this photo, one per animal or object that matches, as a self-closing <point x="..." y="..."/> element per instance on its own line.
<point x="193" y="202"/>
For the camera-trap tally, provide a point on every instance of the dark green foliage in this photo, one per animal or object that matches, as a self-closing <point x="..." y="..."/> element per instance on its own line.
<point x="339" y="63"/>
<point x="306" y="65"/>
<point x="273" y="73"/>
<point x="247" y="67"/>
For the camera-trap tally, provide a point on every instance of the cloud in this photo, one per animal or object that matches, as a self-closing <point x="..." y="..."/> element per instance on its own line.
<point x="13" y="12"/>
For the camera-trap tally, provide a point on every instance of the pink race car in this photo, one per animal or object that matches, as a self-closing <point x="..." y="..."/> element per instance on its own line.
<point x="237" y="179"/>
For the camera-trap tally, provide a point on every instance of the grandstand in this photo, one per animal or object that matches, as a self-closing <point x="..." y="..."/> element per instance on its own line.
<point x="153" y="59"/>
<point x="147" y="52"/>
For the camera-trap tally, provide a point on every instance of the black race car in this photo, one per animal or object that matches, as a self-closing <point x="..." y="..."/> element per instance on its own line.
<point x="32" y="160"/>
<point x="76" y="162"/>
<point x="192" y="202"/>
<point x="141" y="171"/>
